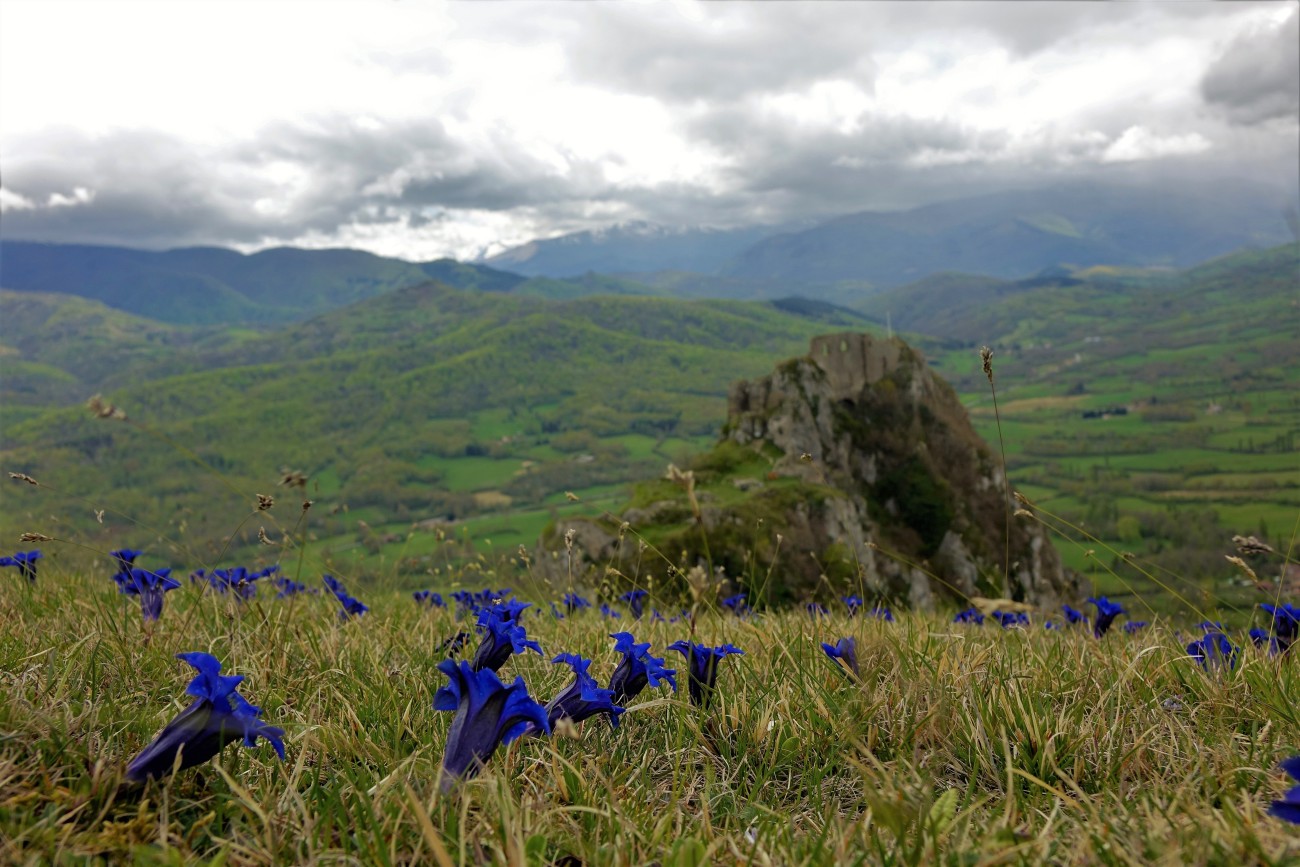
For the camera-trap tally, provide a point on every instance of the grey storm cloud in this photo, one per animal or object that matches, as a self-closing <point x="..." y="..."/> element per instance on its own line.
<point x="714" y="75"/>
<point x="1257" y="79"/>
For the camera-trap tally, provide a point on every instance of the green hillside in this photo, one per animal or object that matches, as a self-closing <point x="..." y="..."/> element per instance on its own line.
<point x="424" y="403"/>
<point x="1158" y="411"/>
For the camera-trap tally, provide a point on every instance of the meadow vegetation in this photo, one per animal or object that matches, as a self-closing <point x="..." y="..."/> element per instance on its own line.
<point x="958" y="744"/>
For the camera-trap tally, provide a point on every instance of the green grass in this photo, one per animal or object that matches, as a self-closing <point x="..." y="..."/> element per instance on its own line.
<point x="959" y="745"/>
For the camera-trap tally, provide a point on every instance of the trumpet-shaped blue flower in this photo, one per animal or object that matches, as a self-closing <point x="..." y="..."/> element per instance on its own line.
<point x="702" y="667"/>
<point x="218" y="716"/>
<point x="149" y="586"/>
<point x="737" y="604"/>
<point x="609" y="613"/>
<point x="853" y="602"/>
<point x="573" y="602"/>
<point x="502" y="636"/>
<point x="582" y="699"/>
<point x="1135" y="626"/>
<point x="1214" y="651"/>
<point x="488" y="714"/>
<point x="1288" y="808"/>
<point x="635" y="599"/>
<point x="970" y="615"/>
<point x="1263" y="640"/>
<point x="1074" y="615"/>
<point x="1107" y="611"/>
<point x="815" y="610"/>
<point x="880" y="612"/>
<point x="352" y="607"/>
<point x="429" y="598"/>
<point x="453" y="645"/>
<point x="1008" y="619"/>
<point x="637" y="670"/>
<point x="25" y="561"/>
<point x="556" y="613"/>
<point x="1286" y="623"/>
<point x="124" y="558"/>
<point x="237" y="580"/>
<point x="289" y="587"/>
<point x="846" y="651"/>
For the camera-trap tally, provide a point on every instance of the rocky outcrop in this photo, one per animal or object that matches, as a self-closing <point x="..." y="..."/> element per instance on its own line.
<point x="876" y="482"/>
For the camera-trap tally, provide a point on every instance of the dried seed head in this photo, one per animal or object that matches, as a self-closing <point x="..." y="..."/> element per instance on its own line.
<point x="99" y="515"/>
<point x="568" y="538"/>
<point x="986" y="356"/>
<point x="806" y="458"/>
<point x="1248" y="545"/>
<point x="1021" y="498"/>
<point x="1022" y="513"/>
<point x="293" y="478"/>
<point x="264" y="502"/>
<point x="35" y="537"/>
<point x="262" y="537"/>
<point x="1242" y="565"/>
<point x="103" y="409"/>
<point x="307" y="504"/>
<point x="23" y="477"/>
<point x="571" y="496"/>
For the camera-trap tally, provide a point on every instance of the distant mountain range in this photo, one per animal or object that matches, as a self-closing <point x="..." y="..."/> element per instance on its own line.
<point x="1011" y="234"/>
<point x="636" y="247"/>
<point x="842" y="261"/>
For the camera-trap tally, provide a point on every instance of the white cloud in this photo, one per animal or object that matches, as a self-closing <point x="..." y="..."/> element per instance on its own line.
<point x="1139" y="143"/>
<point x="11" y="201"/>
<point x="407" y="125"/>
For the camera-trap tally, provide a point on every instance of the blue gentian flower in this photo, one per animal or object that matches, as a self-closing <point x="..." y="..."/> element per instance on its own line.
<point x="1214" y="651"/>
<point x="1210" y="626"/>
<point x="609" y="613"/>
<point x="1286" y="623"/>
<point x="854" y="602"/>
<point x="502" y="636"/>
<point x="815" y="610"/>
<point x="1262" y="639"/>
<point x="970" y="615"/>
<point x="634" y="599"/>
<point x="352" y="607"/>
<point x="582" y="699"/>
<point x="702" y="667"/>
<point x="218" y="716"/>
<point x="846" y="651"/>
<point x="1289" y="807"/>
<point x="1134" y="626"/>
<point x="1009" y="619"/>
<point x="429" y="598"/>
<point x="737" y="604"/>
<point x="573" y="602"/>
<point x="556" y="613"/>
<point x="655" y="616"/>
<point x="452" y="646"/>
<point x="880" y="612"/>
<point x="1074" y="615"/>
<point x="25" y="561"/>
<point x="488" y="714"/>
<point x="124" y="559"/>
<point x="1107" y="611"/>
<point x="289" y="587"/>
<point x="637" y="670"/>
<point x="237" y="580"/>
<point x="1051" y="624"/>
<point x="149" y="586"/>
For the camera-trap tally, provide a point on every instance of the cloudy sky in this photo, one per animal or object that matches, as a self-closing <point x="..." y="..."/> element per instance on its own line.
<point x="422" y="129"/>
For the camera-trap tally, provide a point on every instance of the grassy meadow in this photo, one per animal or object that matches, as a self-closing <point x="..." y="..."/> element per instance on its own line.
<point x="959" y="744"/>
